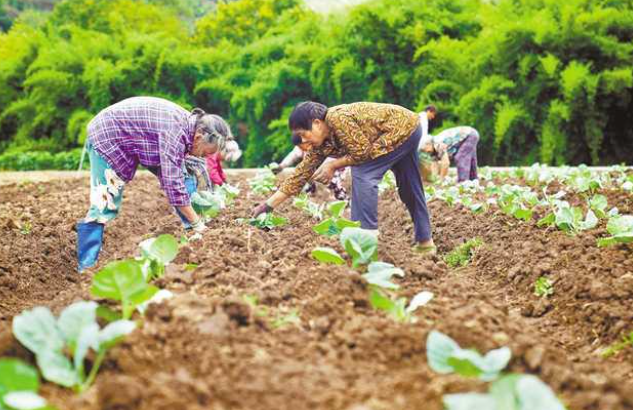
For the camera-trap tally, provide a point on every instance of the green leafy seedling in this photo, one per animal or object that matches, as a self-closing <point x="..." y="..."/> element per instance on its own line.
<point x="335" y="223"/>
<point x="311" y="208"/>
<point x="123" y="281"/>
<point x="445" y="356"/>
<point x="621" y="229"/>
<point x="360" y="244"/>
<point x="267" y="221"/>
<point x="614" y="349"/>
<point x="598" y="204"/>
<point x="397" y="309"/>
<point x="327" y="255"/>
<point x="74" y="333"/>
<point x="264" y="182"/>
<point x="380" y="273"/>
<point x="156" y="254"/>
<point x="543" y="287"/>
<point x="461" y="255"/>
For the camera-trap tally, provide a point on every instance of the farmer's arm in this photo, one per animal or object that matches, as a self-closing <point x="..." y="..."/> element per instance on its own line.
<point x="444" y="164"/>
<point x="172" y="178"/>
<point x="302" y="174"/>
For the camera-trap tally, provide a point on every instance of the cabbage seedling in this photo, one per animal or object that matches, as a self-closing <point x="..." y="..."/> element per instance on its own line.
<point x="621" y="229"/>
<point x="327" y="255"/>
<point x="19" y="383"/>
<point x="569" y="219"/>
<point x="543" y="287"/>
<point x="74" y="333"/>
<point x="507" y="392"/>
<point x="398" y="309"/>
<point x="335" y="224"/>
<point x="123" y="281"/>
<point x="460" y="256"/>
<point x="311" y="208"/>
<point x="266" y="221"/>
<point x="598" y="204"/>
<point x="360" y="244"/>
<point x="156" y="253"/>
<point x="264" y="182"/>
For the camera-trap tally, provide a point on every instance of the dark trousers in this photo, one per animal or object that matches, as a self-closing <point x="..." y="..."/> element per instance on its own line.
<point x="404" y="163"/>
<point x="466" y="158"/>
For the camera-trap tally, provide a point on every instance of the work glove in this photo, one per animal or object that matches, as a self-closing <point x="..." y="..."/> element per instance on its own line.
<point x="198" y="226"/>
<point x="261" y="209"/>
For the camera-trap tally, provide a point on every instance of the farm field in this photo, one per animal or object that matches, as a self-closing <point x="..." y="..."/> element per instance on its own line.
<point x="256" y="322"/>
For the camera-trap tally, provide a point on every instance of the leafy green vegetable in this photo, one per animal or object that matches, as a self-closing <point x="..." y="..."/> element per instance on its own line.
<point x="543" y="287"/>
<point x="621" y="229"/>
<point x="75" y="332"/>
<point x="123" y="281"/>
<point x="311" y="208"/>
<point x="264" y="182"/>
<point x="380" y="274"/>
<point x="207" y="204"/>
<point x="569" y="219"/>
<point x="360" y="244"/>
<point x="156" y="254"/>
<point x="446" y="356"/>
<point x="327" y="255"/>
<point x="267" y="221"/>
<point x="460" y="256"/>
<point x="335" y="224"/>
<point x="398" y="308"/>
<point x="598" y="204"/>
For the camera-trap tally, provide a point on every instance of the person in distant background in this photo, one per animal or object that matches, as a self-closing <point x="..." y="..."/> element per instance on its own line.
<point x="336" y="184"/>
<point x="458" y="144"/>
<point x="427" y="116"/>
<point x="214" y="162"/>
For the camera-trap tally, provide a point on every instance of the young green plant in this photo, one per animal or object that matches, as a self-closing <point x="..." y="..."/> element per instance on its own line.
<point x="461" y="255"/>
<point x="335" y="223"/>
<point x="19" y="384"/>
<point x="75" y="332"/>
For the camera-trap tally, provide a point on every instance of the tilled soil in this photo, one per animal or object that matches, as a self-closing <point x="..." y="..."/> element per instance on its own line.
<point x="313" y="341"/>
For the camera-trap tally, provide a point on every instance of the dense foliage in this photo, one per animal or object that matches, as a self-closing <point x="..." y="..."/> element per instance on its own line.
<point x="542" y="80"/>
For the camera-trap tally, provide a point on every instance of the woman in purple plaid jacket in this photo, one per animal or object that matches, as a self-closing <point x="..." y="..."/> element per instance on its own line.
<point x="151" y="132"/>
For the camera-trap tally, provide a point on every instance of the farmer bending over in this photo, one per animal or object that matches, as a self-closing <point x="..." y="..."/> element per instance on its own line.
<point x="458" y="144"/>
<point x="152" y="132"/>
<point x="372" y="138"/>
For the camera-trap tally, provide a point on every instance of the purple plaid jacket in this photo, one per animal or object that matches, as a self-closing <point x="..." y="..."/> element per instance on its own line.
<point x="149" y="131"/>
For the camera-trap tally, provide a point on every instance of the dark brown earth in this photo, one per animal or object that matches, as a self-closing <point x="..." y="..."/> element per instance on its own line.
<point x="208" y="349"/>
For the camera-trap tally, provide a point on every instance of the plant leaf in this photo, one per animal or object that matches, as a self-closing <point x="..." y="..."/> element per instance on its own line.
<point x="360" y="244"/>
<point x="123" y="281"/>
<point x="336" y="208"/>
<point x="327" y="255"/>
<point x="24" y="400"/>
<point x="37" y="330"/>
<point x="158" y="297"/>
<point x="532" y="393"/>
<point x="162" y="249"/>
<point x="380" y="273"/>
<point x="56" y="368"/>
<point x="74" y="318"/>
<point x="470" y="401"/>
<point x="114" y="332"/>
<point x="87" y="339"/>
<point x="439" y="348"/>
<point x="15" y="375"/>
<point x="419" y="300"/>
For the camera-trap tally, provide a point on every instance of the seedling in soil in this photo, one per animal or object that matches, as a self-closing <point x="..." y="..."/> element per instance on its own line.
<point x="388" y="182"/>
<point x="461" y="255"/>
<point x="311" y="208"/>
<point x="26" y="228"/>
<point x="74" y="333"/>
<point x="507" y="392"/>
<point x="380" y="273"/>
<point x="207" y="204"/>
<point x="360" y="244"/>
<point x="327" y="255"/>
<point x="285" y="319"/>
<point x="156" y="253"/>
<point x="621" y="229"/>
<point x="265" y="221"/>
<point x="543" y="287"/>
<point x="264" y="182"/>
<point x="598" y="204"/>
<point x="569" y="219"/>
<point x="335" y="224"/>
<point x="123" y="281"/>
<point x="617" y="347"/>
<point x="398" y="309"/>
<point x="19" y="383"/>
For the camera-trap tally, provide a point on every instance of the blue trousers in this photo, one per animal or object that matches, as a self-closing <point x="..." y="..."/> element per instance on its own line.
<point x="404" y="163"/>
